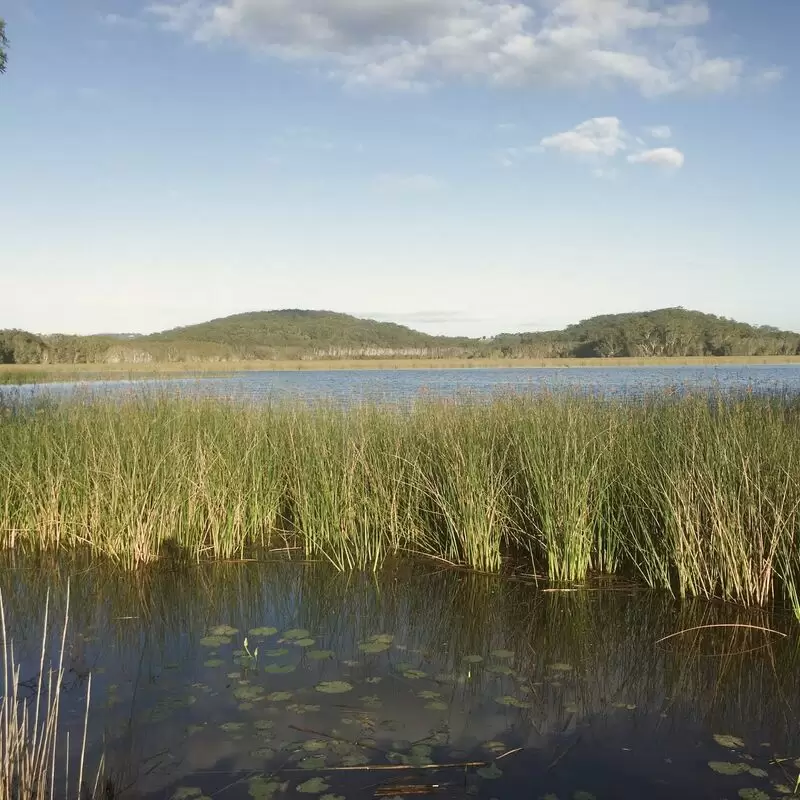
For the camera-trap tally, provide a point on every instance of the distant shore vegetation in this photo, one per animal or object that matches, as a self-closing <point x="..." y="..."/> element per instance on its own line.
<point x="297" y="335"/>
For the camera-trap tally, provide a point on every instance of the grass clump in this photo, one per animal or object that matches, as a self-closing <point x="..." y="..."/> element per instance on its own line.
<point x="698" y="495"/>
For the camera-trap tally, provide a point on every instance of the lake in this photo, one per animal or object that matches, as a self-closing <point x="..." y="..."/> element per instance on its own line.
<point x="404" y="385"/>
<point x="350" y="683"/>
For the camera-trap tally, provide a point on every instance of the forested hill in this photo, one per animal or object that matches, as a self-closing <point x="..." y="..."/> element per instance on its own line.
<point x="297" y="334"/>
<point x="666" y="332"/>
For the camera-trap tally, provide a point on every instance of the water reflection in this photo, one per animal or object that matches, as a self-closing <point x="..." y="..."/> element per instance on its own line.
<point x="425" y="665"/>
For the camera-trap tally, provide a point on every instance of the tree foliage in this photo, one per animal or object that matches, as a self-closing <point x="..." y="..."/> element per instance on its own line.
<point x="297" y="334"/>
<point x="3" y="46"/>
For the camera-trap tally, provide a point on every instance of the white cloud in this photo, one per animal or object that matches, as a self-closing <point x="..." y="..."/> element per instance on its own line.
<point x="669" y="157"/>
<point x="121" y="21"/>
<point x="651" y="45"/>
<point x="659" y="132"/>
<point x="769" y="76"/>
<point x="413" y="182"/>
<point x="601" y="136"/>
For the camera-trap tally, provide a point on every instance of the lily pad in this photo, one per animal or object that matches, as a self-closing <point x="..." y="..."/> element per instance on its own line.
<point x="414" y="674"/>
<point x="277" y="652"/>
<point x="266" y="631"/>
<point x="301" y="708"/>
<point x="264" y="724"/>
<point x="355" y="760"/>
<point x="214" y="640"/>
<point x="262" y="788"/>
<point x="502" y="654"/>
<point x="728" y="768"/>
<point x="186" y="792"/>
<point x="436" y="705"/>
<point x="753" y="794"/>
<point x="213" y="662"/>
<point x="266" y="753"/>
<point x="726" y="740"/>
<point x="334" y="687"/>
<point x="295" y="633"/>
<point x="373" y="647"/>
<point x="374" y="679"/>
<point x="313" y="786"/>
<point x="315" y="745"/>
<point x="500" y="669"/>
<point x="491" y="772"/>
<point x="319" y="655"/>
<point x="429" y="695"/>
<point x="513" y="702"/>
<point x="232" y="727"/>
<point x="279" y="697"/>
<point x="473" y="659"/>
<point x="494" y="746"/>
<point x="248" y="693"/>
<point x="757" y="772"/>
<point x="312" y="762"/>
<point x="223" y="630"/>
<point x="307" y="642"/>
<point x="372" y="701"/>
<point x="280" y="669"/>
<point x="581" y="795"/>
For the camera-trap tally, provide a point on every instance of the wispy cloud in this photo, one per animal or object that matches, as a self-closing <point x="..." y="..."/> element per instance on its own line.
<point x="659" y="131"/>
<point x="668" y="157"/>
<point x="651" y="45"/>
<point x="600" y="136"/>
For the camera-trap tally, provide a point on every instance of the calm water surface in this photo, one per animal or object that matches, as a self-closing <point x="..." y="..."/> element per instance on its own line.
<point x="404" y="385"/>
<point x="414" y="666"/>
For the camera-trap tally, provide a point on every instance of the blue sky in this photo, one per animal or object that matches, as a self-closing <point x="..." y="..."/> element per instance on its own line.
<point x="461" y="166"/>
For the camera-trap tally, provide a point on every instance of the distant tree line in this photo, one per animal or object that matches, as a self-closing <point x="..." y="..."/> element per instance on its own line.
<point x="296" y="334"/>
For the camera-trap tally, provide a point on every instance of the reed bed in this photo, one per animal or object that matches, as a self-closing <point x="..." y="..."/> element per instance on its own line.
<point x="697" y="495"/>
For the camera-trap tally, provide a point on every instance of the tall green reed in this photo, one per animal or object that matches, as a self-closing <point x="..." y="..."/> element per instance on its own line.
<point x="697" y="495"/>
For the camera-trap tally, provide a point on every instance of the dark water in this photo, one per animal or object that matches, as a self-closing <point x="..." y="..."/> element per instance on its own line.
<point x="427" y="666"/>
<point x="403" y="385"/>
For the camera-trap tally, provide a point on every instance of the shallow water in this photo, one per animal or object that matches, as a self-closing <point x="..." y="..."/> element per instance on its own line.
<point x="404" y="385"/>
<point x="416" y="665"/>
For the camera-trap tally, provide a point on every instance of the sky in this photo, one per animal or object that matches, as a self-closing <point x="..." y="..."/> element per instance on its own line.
<point x="461" y="166"/>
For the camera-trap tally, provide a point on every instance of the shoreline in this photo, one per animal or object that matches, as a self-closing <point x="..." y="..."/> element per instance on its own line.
<point x="43" y="373"/>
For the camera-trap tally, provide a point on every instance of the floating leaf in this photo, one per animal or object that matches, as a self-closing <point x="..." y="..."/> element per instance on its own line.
<point x="300" y="708"/>
<point x="332" y="797"/>
<point x="550" y="796"/>
<point x="491" y="772"/>
<point x="232" y="727"/>
<point x="186" y="792"/>
<point x="753" y="794"/>
<point x="319" y="655"/>
<point x="355" y="760"/>
<point x="312" y="762"/>
<point x="213" y="662"/>
<point x="334" y="687"/>
<point x="315" y="745"/>
<point x="372" y="701"/>
<point x="726" y="740"/>
<point x="757" y="772"/>
<point x="296" y="633"/>
<point x="248" y="693"/>
<point x="313" y="786"/>
<point x="261" y="788"/>
<point x="414" y="674"/>
<point x="264" y="724"/>
<point x="508" y="700"/>
<point x="625" y="706"/>
<point x="266" y="631"/>
<point x="782" y="788"/>
<point x="280" y="669"/>
<point x="265" y="752"/>
<point x="581" y="795"/>
<point x="502" y="654"/>
<point x="373" y="647"/>
<point x="500" y="669"/>
<point x="727" y="768"/>
<point x="278" y="697"/>
<point x="245" y="706"/>
<point x="223" y="630"/>
<point x="373" y="680"/>
<point x="214" y="641"/>
<point x="280" y="651"/>
<point x="429" y="695"/>
<point x="473" y="659"/>
<point x="436" y="705"/>
<point x="304" y="642"/>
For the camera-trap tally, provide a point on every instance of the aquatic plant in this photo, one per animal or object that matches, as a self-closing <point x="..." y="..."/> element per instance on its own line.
<point x="698" y="495"/>
<point x="30" y="747"/>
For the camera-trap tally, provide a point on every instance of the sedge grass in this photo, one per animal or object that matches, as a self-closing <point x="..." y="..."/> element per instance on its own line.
<point x="697" y="495"/>
<point x="31" y="751"/>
